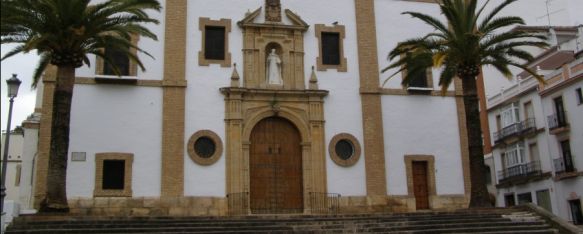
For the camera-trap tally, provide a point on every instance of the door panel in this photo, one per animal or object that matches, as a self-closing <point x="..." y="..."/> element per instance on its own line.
<point x="276" y="167"/>
<point x="420" y="186"/>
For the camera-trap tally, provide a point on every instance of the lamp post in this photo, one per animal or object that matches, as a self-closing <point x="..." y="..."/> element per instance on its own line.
<point x="13" y="84"/>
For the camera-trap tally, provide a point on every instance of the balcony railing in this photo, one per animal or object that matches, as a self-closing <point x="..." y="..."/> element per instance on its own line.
<point x="563" y="165"/>
<point x="516" y="129"/>
<point x="557" y="121"/>
<point x="519" y="171"/>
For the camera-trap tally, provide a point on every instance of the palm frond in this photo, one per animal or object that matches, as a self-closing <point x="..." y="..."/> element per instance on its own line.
<point x="66" y="28"/>
<point x="494" y="12"/>
<point x="43" y="63"/>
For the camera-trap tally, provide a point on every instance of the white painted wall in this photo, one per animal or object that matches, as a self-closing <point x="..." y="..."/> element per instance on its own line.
<point x="116" y="118"/>
<point x="14" y="160"/>
<point x="29" y="152"/>
<point x="422" y="125"/>
<point x="342" y="107"/>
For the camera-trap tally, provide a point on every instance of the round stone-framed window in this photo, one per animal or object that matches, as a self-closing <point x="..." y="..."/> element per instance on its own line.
<point x="205" y="147"/>
<point x="344" y="149"/>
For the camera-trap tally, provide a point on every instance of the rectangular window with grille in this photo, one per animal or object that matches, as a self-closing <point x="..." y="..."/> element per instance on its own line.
<point x="214" y="43"/>
<point x="331" y="48"/>
<point x="113" y="174"/>
<point x="118" y="58"/>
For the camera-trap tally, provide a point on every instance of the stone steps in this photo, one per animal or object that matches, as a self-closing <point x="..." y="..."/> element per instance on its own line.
<point x="465" y="221"/>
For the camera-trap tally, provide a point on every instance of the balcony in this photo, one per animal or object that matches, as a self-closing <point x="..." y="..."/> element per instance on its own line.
<point x="558" y="123"/>
<point x="521" y="174"/>
<point x="564" y="168"/>
<point x="515" y="130"/>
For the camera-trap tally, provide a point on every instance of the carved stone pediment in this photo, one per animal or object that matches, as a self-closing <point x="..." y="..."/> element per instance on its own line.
<point x="296" y="20"/>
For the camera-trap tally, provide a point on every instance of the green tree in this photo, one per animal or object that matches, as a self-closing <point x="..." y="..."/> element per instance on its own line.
<point x="466" y="41"/>
<point x="64" y="33"/>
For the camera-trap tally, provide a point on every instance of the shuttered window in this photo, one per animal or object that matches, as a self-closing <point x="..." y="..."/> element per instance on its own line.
<point x="331" y="48"/>
<point x="214" y="43"/>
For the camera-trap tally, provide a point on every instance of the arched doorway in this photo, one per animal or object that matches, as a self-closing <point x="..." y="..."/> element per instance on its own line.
<point x="275" y="164"/>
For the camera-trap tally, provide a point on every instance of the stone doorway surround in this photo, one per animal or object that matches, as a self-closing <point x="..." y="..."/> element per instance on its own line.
<point x="256" y="100"/>
<point x="247" y="107"/>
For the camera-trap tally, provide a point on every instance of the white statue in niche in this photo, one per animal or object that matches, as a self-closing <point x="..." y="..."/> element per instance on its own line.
<point x="274" y="69"/>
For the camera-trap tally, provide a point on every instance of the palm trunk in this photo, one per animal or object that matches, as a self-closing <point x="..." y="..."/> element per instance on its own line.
<point x="56" y="200"/>
<point x="479" y="196"/>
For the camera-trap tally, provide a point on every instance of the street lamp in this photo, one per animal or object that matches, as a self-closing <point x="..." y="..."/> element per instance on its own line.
<point x="13" y="84"/>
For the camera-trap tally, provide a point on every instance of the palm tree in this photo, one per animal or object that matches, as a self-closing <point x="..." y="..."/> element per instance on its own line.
<point x="461" y="45"/>
<point x="64" y="33"/>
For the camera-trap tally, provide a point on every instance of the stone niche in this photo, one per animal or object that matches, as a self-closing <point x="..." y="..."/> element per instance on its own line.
<point x="248" y="103"/>
<point x="287" y="40"/>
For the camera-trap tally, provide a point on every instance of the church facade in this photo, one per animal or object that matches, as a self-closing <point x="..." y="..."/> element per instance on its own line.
<point x="256" y="106"/>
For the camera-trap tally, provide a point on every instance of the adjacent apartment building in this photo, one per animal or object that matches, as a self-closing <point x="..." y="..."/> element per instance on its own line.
<point x="537" y="130"/>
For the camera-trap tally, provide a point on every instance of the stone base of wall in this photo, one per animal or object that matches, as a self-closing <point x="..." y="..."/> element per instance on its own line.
<point x="217" y="206"/>
<point x="449" y="202"/>
<point x="399" y="203"/>
<point x="149" y="206"/>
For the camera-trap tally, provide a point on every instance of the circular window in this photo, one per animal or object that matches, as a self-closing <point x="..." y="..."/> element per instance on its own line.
<point x="205" y="147"/>
<point x="344" y="149"/>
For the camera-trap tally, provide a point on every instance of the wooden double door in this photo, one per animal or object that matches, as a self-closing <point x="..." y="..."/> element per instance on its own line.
<point x="275" y="165"/>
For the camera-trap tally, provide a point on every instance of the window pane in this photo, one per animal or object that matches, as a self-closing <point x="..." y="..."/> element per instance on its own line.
<point x="418" y="79"/>
<point x="205" y="147"/>
<point x="214" y="43"/>
<point x="331" y="48"/>
<point x="113" y="174"/>
<point x="118" y="58"/>
<point x="344" y="149"/>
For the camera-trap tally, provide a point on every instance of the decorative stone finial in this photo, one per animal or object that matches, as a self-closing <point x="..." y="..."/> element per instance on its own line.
<point x="235" y="76"/>
<point x="313" y="79"/>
